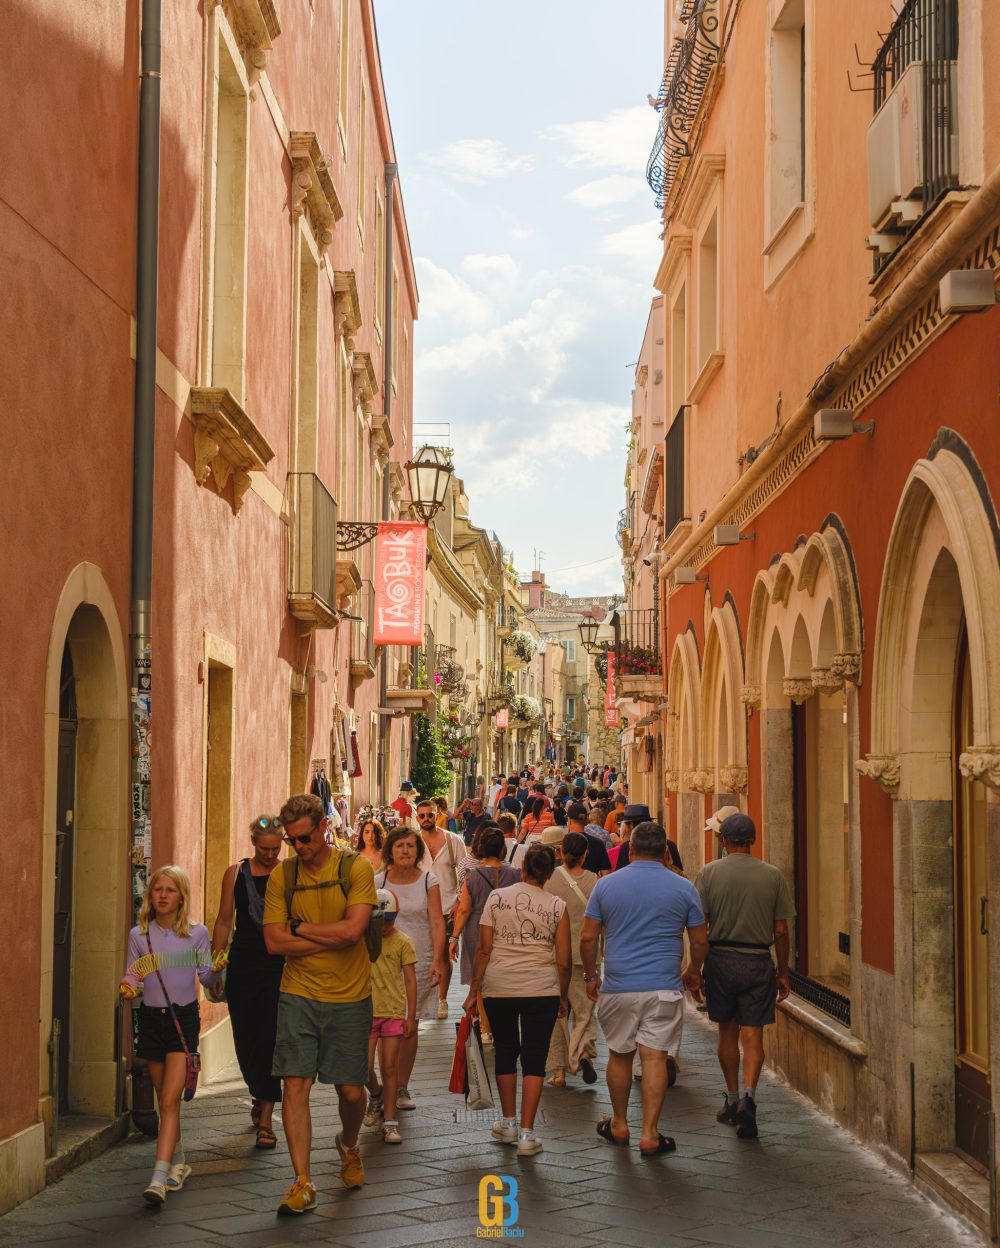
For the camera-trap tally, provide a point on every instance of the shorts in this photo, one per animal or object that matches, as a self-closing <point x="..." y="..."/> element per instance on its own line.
<point x="383" y="1027"/>
<point x="653" y="1019"/>
<point x="740" y="987"/>
<point x="158" y="1035"/>
<point x="325" y="1040"/>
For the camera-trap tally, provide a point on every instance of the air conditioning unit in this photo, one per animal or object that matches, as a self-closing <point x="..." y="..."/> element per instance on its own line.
<point x="896" y="147"/>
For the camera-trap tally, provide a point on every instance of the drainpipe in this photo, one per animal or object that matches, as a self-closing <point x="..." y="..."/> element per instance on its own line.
<point x="147" y="238"/>
<point x="387" y="328"/>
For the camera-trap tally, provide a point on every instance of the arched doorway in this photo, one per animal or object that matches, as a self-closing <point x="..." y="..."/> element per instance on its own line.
<point x="85" y="850"/>
<point x="972" y="957"/>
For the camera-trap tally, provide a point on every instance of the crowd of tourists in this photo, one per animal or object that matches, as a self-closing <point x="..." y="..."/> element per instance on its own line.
<point x="565" y="908"/>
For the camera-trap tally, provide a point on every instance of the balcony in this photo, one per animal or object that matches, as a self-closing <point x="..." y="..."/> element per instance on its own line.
<point x="676" y="517"/>
<point x="312" y="587"/>
<point x="363" y="656"/>
<point x="913" y="137"/>
<point x="406" y="697"/>
<point x="638" y="667"/>
<point x="689" y="67"/>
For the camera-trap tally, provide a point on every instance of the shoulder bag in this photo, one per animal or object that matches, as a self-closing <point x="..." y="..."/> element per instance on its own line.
<point x="192" y="1061"/>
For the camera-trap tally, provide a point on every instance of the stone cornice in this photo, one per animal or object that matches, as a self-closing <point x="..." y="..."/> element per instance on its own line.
<point x="381" y="433"/>
<point x="704" y="173"/>
<point x="255" y="25"/>
<point x="226" y="441"/>
<point x="365" y="377"/>
<point x="346" y="302"/>
<point x="313" y="191"/>
<point x="676" y="254"/>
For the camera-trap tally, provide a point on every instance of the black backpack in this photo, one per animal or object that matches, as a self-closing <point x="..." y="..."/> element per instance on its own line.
<point x="376" y="923"/>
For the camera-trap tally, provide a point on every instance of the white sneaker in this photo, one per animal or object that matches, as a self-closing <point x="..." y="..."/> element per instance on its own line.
<point x="390" y="1133"/>
<point x="442" y="1008"/>
<point x="404" y="1100"/>
<point x="373" y="1114"/>
<point x="528" y="1145"/>
<point x="505" y="1134"/>
<point x="177" y="1177"/>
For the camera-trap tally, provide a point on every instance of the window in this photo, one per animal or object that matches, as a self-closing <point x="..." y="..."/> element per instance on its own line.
<point x="399" y="319"/>
<point x="570" y="650"/>
<point x="345" y="19"/>
<point x="218" y="772"/>
<point x="404" y="398"/>
<point x="379" y="265"/>
<point x="708" y="292"/>
<point x="788" y="155"/>
<point x="298" y="742"/>
<point x="362" y="141"/>
<point x="359" y="465"/>
<point x="343" y="427"/>
<point x="224" y="336"/>
<point x="678" y="352"/>
<point x="305" y="431"/>
<point x="571" y="708"/>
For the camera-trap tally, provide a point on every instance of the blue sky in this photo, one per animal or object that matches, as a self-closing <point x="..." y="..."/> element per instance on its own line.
<point x="522" y="133"/>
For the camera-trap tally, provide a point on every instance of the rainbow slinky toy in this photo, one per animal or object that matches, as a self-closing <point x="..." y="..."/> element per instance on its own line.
<point x="150" y="962"/>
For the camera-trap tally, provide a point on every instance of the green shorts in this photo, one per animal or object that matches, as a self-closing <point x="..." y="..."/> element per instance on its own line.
<point x="325" y="1040"/>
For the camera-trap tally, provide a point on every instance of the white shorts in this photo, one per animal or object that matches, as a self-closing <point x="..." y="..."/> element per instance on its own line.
<point x="653" y="1019"/>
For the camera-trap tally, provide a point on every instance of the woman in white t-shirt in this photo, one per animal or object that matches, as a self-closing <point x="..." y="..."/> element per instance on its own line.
<point x="523" y="967"/>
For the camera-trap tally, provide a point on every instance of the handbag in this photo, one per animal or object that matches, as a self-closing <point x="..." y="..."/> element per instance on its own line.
<point x="192" y="1061"/>
<point x="480" y="1094"/>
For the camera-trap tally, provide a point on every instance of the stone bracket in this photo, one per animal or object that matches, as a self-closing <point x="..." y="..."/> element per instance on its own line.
<point x="226" y="441"/>
<point x="347" y="305"/>
<point x="982" y="763"/>
<point x="796" y="690"/>
<point x="365" y="377"/>
<point x="734" y="779"/>
<point x="313" y="191"/>
<point x="256" y="25"/>
<point x="882" y="768"/>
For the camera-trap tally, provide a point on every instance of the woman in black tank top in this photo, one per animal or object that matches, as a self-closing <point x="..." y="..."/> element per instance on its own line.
<point x="253" y="979"/>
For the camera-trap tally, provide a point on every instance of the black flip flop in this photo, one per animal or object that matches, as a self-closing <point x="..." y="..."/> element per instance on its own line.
<point x="604" y="1131"/>
<point x="666" y="1145"/>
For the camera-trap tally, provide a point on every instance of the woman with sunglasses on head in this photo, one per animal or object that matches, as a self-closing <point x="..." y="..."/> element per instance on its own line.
<point x="371" y="835"/>
<point x="253" y="980"/>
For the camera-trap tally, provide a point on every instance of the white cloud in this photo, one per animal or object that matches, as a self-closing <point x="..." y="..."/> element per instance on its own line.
<point x="444" y="295"/>
<point x="639" y="243"/>
<point x="479" y="160"/>
<point x="620" y="141"/>
<point x="491" y="270"/>
<point x="616" y="188"/>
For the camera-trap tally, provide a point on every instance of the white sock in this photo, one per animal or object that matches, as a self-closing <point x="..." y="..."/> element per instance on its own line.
<point x="178" y="1158"/>
<point x="160" y="1171"/>
<point x="510" y="1122"/>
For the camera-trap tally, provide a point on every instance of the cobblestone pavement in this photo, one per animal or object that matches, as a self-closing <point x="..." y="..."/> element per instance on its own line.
<point x="803" y="1184"/>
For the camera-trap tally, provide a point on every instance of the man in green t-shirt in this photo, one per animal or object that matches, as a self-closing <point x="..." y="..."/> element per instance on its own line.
<point x="325" y="1006"/>
<point x="747" y="907"/>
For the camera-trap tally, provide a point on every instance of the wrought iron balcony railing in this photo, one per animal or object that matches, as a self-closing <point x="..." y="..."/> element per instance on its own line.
<point x="637" y="650"/>
<point x="684" y="80"/>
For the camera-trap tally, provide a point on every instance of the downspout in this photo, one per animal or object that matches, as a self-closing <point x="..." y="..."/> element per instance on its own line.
<point x="147" y="243"/>
<point x="387" y="328"/>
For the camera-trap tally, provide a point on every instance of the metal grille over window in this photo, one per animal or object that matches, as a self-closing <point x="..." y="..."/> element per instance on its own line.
<point x="833" y="1003"/>
<point x="695" y="51"/>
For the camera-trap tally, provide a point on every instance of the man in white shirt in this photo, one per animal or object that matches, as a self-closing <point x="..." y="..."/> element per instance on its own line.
<point x="496" y="788"/>
<point x="445" y="851"/>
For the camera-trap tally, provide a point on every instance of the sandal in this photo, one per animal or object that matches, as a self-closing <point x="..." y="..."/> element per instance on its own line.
<point x="604" y="1131"/>
<point x="556" y="1081"/>
<point x="255" y="1112"/>
<point x="665" y="1145"/>
<point x="266" y="1138"/>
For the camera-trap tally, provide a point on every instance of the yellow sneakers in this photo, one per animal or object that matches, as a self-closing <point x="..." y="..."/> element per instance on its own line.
<point x="352" y="1171"/>
<point x="300" y="1197"/>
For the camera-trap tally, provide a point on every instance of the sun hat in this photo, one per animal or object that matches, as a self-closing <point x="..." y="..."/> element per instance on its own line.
<point x="552" y="836"/>
<point x="714" y="822"/>
<point x="388" y="903"/>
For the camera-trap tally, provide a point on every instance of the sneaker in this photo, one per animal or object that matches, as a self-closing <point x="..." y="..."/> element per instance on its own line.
<point x="404" y="1100"/>
<point x="528" y="1145"/>
<point x="374" y="1112"/>
<point x="390" y="1133"/>
<point x="155" y="1193"/>
<point x="177" y="1177"/>
<point x="300" y="1198"/>
<point x="352" y="1170"/>
<point x="442" y="1008"/>
<point x="505" y="1134"/>
<point x="746" y="1118"/>
<point x="727" y="1114"/>
<point x="587" y="1070"/>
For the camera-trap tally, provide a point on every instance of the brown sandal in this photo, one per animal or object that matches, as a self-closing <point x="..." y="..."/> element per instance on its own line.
<point x="266" y="1138"/>
<point x="255" y="1111"/>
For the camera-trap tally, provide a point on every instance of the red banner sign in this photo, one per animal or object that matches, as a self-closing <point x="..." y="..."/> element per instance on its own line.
<point x="503" y="718"/>
<point x="400" y="563"/>
<point x="610" y="705"/>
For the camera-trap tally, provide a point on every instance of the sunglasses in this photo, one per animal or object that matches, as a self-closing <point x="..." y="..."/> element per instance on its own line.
<point x="299" y="840"/>
<point x="268" y="823"/>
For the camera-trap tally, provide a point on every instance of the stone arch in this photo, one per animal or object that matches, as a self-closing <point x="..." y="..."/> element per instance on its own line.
<point x="723" y="717"/>
<point x="86" y="620"/>
<point x="944" y="505"/>
<point x="684" y="774"/>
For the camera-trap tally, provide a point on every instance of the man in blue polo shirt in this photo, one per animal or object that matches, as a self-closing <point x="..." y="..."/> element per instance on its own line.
<point x="643" y="910"/>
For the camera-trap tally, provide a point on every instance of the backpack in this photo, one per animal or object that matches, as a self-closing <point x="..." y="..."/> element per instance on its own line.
<point x="376" y="922"/>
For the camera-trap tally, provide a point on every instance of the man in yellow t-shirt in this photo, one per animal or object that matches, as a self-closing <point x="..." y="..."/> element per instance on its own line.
<point x="325" y="1007"/>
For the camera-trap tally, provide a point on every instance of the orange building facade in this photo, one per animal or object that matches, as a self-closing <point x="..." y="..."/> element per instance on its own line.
<point x="278" y="415"/>
<point x="825" y="534"/>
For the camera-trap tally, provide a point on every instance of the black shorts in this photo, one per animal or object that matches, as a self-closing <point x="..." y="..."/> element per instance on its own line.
<point x="158" y="1035"/>
<point x="740" y="986"/>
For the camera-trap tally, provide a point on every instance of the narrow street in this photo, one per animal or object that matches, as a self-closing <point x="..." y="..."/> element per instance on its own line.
<point x="804" y="1182"/>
